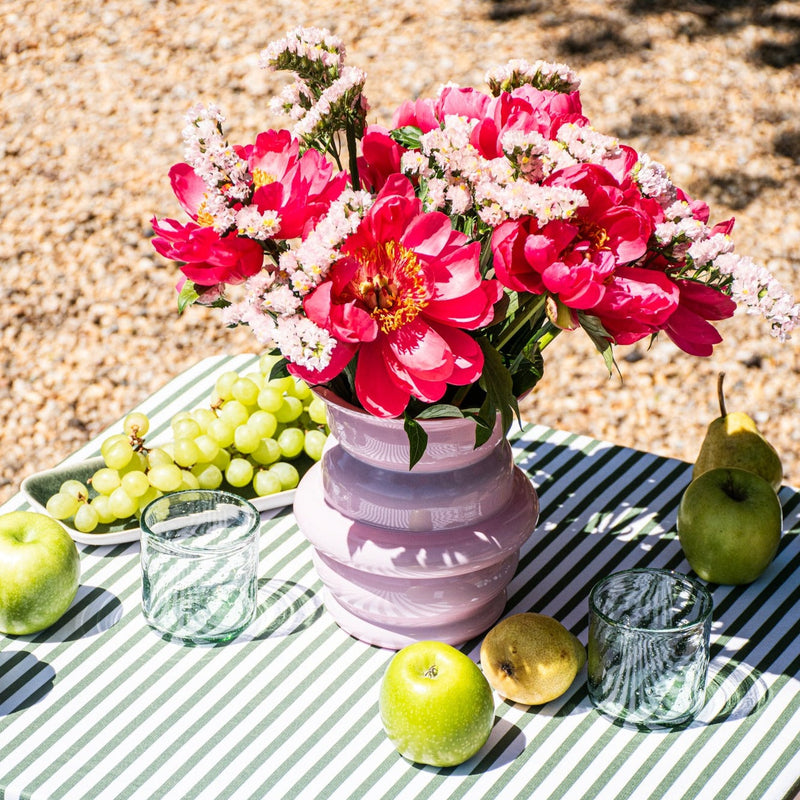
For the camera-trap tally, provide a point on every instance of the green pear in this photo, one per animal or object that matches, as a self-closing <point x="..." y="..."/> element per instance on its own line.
<point x="733" y="440"/>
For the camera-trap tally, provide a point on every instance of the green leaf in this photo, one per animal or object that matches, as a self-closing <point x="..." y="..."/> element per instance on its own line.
<point x="601" y="339"/>
<point x="280" y="369"/>
<point x="498" y="384"/>
<point x="188" y="296"/>
<point x="408" y="136"/>
<point x="417" y="440"/>
<point x="439" y="410"/>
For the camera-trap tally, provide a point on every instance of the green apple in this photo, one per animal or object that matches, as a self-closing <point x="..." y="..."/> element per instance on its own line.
<point x="729" y="525"/>
<point x="39" y="572"/>
<point x="436" y="705"/>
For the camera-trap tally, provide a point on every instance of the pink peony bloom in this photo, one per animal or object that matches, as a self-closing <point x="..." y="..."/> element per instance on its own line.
<point x="575" y="258"/>
<point x="688" y="325"/>
<point x="637" y="303"/>
<point x="299" y="189"/>
<point x="401" y="297"/>
<point x="380" y="159"/>
<point x="211" y="258"/>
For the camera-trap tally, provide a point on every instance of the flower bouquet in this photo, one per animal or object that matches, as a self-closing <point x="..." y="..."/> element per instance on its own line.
<point x="420" y="270"/>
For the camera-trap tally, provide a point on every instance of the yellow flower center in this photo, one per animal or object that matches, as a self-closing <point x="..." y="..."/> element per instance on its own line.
<point x="391" y="284"/>
<point x="262" y="178"/>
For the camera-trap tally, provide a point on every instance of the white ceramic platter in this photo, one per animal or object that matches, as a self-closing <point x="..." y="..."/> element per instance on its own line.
<point x="40" y="487"/>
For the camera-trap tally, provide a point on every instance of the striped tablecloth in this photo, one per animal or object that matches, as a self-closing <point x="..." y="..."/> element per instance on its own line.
<point x="99" y="706"/>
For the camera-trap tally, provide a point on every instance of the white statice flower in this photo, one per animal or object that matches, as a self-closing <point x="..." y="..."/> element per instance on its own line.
<point x="315" y="254"/>
<point x="303" y="342"/>
<point x="412" y="162"/>
<point x="312" y="44"/>
<point x="707" y="249"/>
<point x="436" y="194"/>
<point x="345" y="90"/>
<point x="459" y="196"/>
<point x="654" y="181"/>
<point x="587" y="145"/>
<point x="539" y="74"/>
<point x="258" y="225"/>
<point x="754" y="287"/>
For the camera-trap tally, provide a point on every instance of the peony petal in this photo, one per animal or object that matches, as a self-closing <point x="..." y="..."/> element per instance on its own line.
<point x="420" y="350"/>
<point x="376" y="387"/>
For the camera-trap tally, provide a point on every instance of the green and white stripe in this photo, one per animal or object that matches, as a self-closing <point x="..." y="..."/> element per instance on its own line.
<point x="101" y="707"/>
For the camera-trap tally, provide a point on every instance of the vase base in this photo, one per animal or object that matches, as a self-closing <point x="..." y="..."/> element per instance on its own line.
<point x="396" y="637"/>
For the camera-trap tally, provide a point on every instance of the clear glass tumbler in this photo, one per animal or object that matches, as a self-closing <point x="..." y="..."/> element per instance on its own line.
<point x="648" y="651"/>
<point x="199" y="565"/>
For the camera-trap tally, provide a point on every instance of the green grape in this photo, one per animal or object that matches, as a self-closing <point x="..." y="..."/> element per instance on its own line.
<point x="300" y="389"/>
<point x="188" y="480"/>
<point x="151" y="494"/>
<point x="287" y="474"/>
<point x="111" y="441"/>
<point x="101" y="506"/>
<point x="165" y="477"/>
<point x="290" y="441"/>
<point x="135" y="484"/>
<point x="267" y="362"/>
<point x="158" y="456"/>
<point x="245" y="391"/>
<point x="136" y="424"/>
<point x="169" y="449"/>
<point x="121" y="504"/>
<point x="186" y="452"/>
<point x="284" y="384"/>
<point x="138" y="463"/>
<point x="270" y="399"/>
<point x="86" y="518"/>
<point x="208" y="476"/>
<point x="239" y="472"/>
<point x="221" y="460"/>
<point x="234" y="413"/>
<point x="62" y="506"/>
<point x="105" y="480"/>
<point x="290" y="410"/>
<point x="257" y="378"/>
<point x="264" y="422"/>
<point x="187" y="428"/>
<point x="267" y="452"/>
<point x="246" y="438"/>
<point x="203" y="417"/>
<point x="314" y="443"/>
<point x="74" y="488"/>
<point x="316" y="410"/>
<point x="266" y="482"/>
<point x="118" y="455"/>
<point x="221" y="432"/>
<point x="207" y="447"/>
<point x="224" y="384"/>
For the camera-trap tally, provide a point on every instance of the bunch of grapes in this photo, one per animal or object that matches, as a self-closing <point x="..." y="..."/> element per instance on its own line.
<point x="256" y="435"/>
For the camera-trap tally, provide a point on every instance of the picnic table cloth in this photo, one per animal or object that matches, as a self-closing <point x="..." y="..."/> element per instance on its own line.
<point x="100" y="706"/>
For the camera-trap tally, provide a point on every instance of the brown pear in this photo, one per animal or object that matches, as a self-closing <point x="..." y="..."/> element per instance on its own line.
<point x="531" y="658"/>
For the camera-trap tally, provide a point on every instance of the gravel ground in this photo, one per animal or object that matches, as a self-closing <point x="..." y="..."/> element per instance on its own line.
<point x="92" y="100"/>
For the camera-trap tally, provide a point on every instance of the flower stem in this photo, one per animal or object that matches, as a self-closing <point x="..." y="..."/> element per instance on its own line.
<point x="524" y="316"/>
<point x="353" y="155"/>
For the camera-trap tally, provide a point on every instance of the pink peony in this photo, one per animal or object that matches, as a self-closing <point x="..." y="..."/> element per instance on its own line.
<point x="401" y="297"/>
<point x="574" y="259"/>
<point x="211" y="258"/>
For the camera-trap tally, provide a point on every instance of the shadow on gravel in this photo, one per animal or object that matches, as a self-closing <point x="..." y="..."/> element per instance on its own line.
<point x="622" y="29"/>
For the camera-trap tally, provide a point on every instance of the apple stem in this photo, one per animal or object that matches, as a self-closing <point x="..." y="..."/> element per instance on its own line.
<point x="720" y="394"/>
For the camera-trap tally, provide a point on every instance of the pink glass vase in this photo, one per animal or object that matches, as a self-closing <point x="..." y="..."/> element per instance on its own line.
<point x="406" y="555"/>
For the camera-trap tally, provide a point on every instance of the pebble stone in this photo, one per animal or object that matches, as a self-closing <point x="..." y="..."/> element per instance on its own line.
<point x="92" y="96"/>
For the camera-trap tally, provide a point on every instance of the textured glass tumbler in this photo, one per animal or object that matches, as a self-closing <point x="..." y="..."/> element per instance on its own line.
<point x="648" y="648"/>
<point x="199" y="565"/>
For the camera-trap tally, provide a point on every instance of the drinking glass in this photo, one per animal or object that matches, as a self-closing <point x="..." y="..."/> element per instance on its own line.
<point x="199" y="565"/>
<point x="648" y="651"/>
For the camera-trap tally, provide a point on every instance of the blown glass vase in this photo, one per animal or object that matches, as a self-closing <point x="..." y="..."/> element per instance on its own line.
<point x="408" y="555"/>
